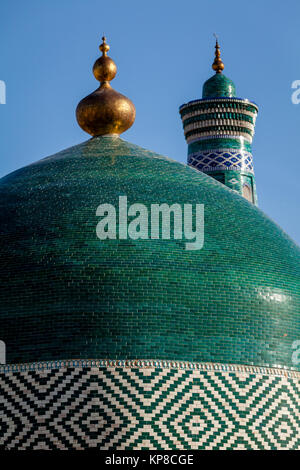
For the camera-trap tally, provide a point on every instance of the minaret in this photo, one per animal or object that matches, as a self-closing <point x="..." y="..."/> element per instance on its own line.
<point x="219" y="129"/>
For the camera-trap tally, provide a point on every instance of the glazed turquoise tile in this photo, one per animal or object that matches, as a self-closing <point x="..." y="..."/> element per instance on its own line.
<point x="218" y="86"/>
<point x="66" y="294"/>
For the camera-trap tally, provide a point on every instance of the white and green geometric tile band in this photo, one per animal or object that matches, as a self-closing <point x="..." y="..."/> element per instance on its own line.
<point x="192" y="406"/>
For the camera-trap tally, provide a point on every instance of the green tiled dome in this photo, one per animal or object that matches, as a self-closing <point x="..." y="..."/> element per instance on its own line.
<point x="218" y="86"/>
<point x="66" y="294"/>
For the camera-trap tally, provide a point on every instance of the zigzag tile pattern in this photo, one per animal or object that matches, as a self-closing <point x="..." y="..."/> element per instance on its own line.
<point x="148" y="408"/>
<point x="221" y="160"/>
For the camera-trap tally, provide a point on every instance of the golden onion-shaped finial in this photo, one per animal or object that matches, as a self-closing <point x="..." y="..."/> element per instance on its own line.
<point x="105" y="111"/>
<point x="218" y="65"/>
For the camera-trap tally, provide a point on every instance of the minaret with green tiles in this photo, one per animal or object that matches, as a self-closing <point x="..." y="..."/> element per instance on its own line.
<point x="219" y="129"/>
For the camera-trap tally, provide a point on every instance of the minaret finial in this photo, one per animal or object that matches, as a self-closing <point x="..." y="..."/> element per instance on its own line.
<point x="218" y="65"/>
<point x="105" y="111"/>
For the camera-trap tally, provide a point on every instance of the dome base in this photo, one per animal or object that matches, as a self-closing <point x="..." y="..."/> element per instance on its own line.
<point x="143" y="406"/>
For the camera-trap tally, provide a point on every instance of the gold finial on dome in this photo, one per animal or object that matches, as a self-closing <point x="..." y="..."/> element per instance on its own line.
<point x="105" y="111"/>
<point x="104" y="48"/>
<point x="218" y="65"/>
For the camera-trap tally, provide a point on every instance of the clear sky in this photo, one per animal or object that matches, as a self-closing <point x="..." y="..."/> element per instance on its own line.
<point x="163" y="50"/>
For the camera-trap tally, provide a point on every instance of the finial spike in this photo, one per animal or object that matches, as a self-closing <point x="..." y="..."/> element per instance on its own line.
<point x="105" y="111"/>
<point x="104" y="47"/>
<point x="218" y="65"/>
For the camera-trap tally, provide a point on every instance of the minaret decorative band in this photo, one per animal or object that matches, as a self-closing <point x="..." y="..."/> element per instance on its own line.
<point x="219" y="130"/>
<point x="219" y="133"/>
<point x="228" y="117"/>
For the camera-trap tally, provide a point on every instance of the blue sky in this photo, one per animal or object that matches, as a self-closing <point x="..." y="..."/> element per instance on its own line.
<point x="164" y="50"/>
